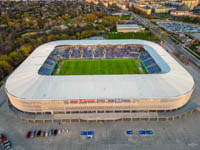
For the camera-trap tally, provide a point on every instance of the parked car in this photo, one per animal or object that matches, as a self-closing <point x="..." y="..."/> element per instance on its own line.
<point x="55" y="132"/>
<point x="52" y="131"/>
<point x="6" y="144"/>
<point x="28" y="134"/>
<point x="46" y="133"/>
<point x="3" y="138"/>
<point x="49" y="133"/>
<point x="63" y="130"/>
<point x="39" y="133"/>
<point x="43" y="134"/>
<point x="67" y="130"/>
<point x="34" y="134"/>
<point x="7" y="148"/>
<point x="59" y="131"/>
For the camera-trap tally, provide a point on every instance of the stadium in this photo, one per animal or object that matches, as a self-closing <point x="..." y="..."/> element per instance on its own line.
<point x="85" y="78"/>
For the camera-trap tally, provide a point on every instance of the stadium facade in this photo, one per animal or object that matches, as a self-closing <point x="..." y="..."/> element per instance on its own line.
<point x="31" y="91"/>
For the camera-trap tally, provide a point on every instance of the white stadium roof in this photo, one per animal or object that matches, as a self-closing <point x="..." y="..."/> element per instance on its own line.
<point x="26" y="83"/>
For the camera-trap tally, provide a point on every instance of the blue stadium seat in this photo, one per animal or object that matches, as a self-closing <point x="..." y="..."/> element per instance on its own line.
<point x="149" y="62"/>
<point x="87" y="53"/>
<point x="153" y="69"/>
<point x="119" y="52"/>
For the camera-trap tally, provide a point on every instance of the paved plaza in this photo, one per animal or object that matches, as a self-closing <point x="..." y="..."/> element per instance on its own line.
<point x="178" y="27"/>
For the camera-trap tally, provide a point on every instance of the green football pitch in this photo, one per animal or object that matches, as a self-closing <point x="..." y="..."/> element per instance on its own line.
<point x="98" y="66"/>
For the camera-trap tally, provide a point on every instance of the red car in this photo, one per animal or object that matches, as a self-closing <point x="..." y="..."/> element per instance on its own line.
<point x="3" y="138"/>
<point x="4" y="142"/>
<point x="28" y="134"/>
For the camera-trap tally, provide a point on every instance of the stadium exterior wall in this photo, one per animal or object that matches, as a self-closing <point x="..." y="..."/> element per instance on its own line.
<point x="49" y="106"/>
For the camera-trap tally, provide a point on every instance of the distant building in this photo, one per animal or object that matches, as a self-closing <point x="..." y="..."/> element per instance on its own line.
<point x="190" y="3"/>
<point x="117" y="14"/>
<point x="182" y="10"/>
<point x="121" y="13"/>
<point x="129" y="28"/>
<point x="161" y="10"/>
<point x="92" y="1"/>
<point x="180" y="13"/>
<point x="145" y="10"/>
<point x="122" y="6"/>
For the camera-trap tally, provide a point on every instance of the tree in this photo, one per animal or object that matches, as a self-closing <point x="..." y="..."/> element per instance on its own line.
<point x="26" y="49"/>
<point x="7" y="59"/>
<point x="110" y="21"/>
<point x="64" y="36"/>
<point x="4" y="18"/>
<point x="100" y="27"/>
<point x="164" y="36"/>
<point x="147" y="27"/>
<point x="78" y="35"/>
<point x="50" y="37"/>
<point x="155" y="37"/>
<point x="17" y="57"/>
<point x="41" y="23"/>
<point x="5" y="69"/>
<point x="90" y="17"/>
<point x="65" y="17"/>
<point x="83" y="34"/>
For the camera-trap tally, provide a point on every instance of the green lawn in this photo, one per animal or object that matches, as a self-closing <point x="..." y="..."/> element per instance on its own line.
<point x="125" y="17"/>
<point x="132" y="35"/>
<point x="98" y="66"/>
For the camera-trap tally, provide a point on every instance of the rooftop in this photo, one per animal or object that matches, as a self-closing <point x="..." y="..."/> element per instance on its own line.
<point x="127" y="25"/>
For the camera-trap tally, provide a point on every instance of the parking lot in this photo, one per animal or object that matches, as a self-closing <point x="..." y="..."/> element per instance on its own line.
<point x="178" y="27"/>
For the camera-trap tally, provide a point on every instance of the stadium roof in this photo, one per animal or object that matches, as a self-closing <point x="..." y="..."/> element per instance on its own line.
<point x="26" y="83"/>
